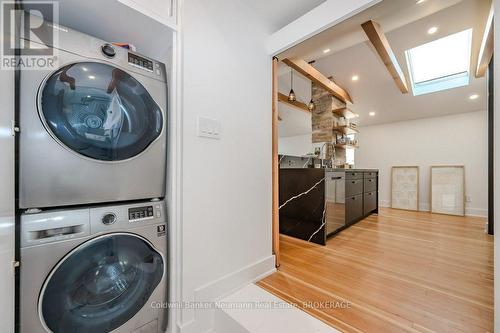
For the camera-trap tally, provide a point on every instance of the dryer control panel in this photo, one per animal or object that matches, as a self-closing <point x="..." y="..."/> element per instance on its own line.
<point x="144" y="213"/>
<point x="141" y="62"/>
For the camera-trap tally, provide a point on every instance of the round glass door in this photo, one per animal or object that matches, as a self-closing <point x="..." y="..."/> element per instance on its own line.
<point x="99" y="111"/>
<point x="101" y="284"/>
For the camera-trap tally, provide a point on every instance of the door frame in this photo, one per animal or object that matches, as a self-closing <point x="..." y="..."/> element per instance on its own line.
<point x="321" y="18"/>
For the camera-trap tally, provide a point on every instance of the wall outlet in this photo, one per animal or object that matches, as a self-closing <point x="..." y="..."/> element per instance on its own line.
<point x="467" y="198"/>
<point x="209" y="128"/>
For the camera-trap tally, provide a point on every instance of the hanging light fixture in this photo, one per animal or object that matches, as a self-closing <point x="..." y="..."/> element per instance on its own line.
<point x="311" y="105"/>
<point x="291" y="94"/>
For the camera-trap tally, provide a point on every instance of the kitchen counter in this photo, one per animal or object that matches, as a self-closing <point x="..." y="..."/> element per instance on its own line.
<point x="317" y="203"/>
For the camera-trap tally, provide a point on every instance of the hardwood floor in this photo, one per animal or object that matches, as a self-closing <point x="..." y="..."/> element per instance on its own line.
<point x="396" y="272"/>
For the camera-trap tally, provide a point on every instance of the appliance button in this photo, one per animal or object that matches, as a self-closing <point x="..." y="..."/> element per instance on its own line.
<point x="108" y="218"/>
<point x="108" y="50"/>
<point x="158" y="72"/>
<point x="158" y="214"/>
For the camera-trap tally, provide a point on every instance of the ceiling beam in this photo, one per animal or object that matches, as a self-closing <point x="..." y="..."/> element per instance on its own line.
<point x="315" y="76"/>
<point x="384" y="50"/>
<point x="486" y="50"/>
<point x="298" y="105"/>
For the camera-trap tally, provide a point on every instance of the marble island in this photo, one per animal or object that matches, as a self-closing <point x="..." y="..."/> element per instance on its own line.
<point x="317" y="203"/>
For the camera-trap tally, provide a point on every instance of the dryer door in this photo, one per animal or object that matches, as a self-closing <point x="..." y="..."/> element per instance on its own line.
<point x="99" y="111"/>
<point x="100" y="285"/>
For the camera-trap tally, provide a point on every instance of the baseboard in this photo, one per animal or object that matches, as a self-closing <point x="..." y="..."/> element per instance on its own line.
<point x="204" y="318"/>
<point x="425" y="207"/>
<point x="479" y="212"/>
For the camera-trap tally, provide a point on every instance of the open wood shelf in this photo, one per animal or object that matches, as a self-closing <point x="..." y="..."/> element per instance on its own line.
<point x="345" y="146"/>
<point x="345" y="130"/>
<point x="345" y="112"/>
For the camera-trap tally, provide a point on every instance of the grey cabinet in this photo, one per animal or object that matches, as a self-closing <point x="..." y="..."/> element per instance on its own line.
<point x="353" y="187"/>
<point x="354" y="208"/>
<point x="351" y="196"/>
<point x="353" y="175"/>
<point x="369" y="202"/>
<point x="370" y="185"/>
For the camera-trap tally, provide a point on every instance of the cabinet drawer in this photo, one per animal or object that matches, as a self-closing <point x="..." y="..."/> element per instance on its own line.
<point x="353" y="187"/>
<point x="353" y="208"/>
<point x="370" y="174"/>
<point x="369" y="202"/>
<point x="370" y="185"/>
<point x="353" y="175"/>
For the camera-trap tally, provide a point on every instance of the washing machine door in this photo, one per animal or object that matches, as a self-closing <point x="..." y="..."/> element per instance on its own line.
<point x="99" y="111"/>
<point x="100" y="285"/>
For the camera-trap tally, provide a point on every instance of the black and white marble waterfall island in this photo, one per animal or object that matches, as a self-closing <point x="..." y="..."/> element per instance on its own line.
<point x="318" y="203"/>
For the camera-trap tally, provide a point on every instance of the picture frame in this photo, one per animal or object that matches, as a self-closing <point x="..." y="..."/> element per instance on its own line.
<point x="448" y="190"/>
<point x="405" y="187"/>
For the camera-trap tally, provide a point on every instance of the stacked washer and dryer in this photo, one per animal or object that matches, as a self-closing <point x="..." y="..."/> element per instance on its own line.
<point x="92" y="165"/>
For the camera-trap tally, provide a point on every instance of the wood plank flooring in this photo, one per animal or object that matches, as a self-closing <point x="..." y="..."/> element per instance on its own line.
<point x="399" y="271"/>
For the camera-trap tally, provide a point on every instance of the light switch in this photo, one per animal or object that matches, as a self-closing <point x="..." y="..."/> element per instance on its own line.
<point x="209" y="128"/>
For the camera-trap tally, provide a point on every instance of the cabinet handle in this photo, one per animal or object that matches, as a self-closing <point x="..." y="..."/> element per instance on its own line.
<point x="354" y="182"/>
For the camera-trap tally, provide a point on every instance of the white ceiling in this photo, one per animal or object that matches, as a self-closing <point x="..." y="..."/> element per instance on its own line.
<point x="375" y="90"/>
<point x="279" y="13"/>
<point x="125" y="25"/>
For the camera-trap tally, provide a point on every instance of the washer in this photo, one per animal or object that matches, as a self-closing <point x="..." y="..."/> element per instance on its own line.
<point x="93" y="128"/>
<point x="98" y="269"/>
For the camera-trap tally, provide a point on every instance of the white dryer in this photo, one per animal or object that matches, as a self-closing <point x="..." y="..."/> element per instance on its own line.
<point x="97" y="269"/>
<point x="93" y="129"/>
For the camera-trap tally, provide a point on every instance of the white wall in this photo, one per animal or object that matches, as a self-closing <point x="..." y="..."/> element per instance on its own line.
<point x="298" y="145"/>
<point x="226" y="222"/>
<point x="452" y="140"/>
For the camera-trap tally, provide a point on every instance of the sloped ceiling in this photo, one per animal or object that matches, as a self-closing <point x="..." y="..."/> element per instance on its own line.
<point x="376" y="91"/>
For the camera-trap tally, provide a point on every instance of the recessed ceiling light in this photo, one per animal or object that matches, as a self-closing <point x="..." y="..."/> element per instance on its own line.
<point x="475" y="96"/>
<point x="432" y="30"/>
<point x="420" y="1"/>
<point x="326" y="50"/>
<point x="91" y="77"/>
<point x="355" y="78"/>
<point x="372" y="114"/>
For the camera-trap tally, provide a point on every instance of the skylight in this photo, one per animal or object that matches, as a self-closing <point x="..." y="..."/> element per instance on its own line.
<point x="441" y="64"/>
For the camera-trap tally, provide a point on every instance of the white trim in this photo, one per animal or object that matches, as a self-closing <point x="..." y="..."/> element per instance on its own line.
<point x="168" y="20"/>
<point x="317" y="20"/>
<point x="203" y="320"/>
<point x="174" y="176"/>
<point x="425" y="207"/>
